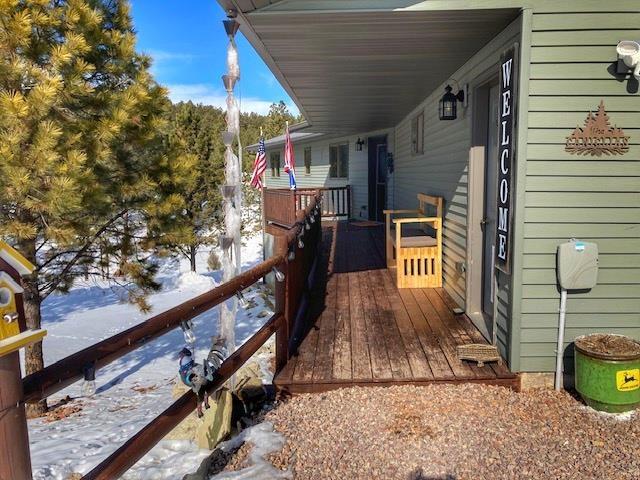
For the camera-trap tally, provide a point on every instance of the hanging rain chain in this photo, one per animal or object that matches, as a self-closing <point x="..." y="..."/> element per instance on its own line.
<point x="231" y="190"/>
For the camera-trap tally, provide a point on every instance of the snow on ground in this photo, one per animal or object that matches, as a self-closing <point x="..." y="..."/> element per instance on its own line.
<point x="136" y="388"/>
<point x="265" y="440"/>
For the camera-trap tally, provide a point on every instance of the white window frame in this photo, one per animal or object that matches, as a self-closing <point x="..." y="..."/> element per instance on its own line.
<point x="275" y="170"/>
<point x="307" y="166"/>
<point x="339" y="161"/>
<point x="417" y="134"/>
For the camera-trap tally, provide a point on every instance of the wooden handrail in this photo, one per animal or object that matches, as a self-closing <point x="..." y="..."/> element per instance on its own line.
<point x="137" y="446"/>
<point x="64" y="372"/>
<point x="280" y="204"/>
<point x="53" y="378"/>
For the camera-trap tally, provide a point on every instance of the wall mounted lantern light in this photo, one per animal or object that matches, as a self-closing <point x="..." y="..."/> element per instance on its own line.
<point x="359" y="144"/>
<point x="448" y="108"/>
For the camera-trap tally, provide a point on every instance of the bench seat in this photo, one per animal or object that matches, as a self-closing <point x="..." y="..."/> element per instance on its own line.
<point x="415" y="241"/>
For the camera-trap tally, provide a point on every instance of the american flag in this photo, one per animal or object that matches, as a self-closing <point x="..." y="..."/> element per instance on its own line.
<point x="289" y="160"/>
<point x="259" y="165"/>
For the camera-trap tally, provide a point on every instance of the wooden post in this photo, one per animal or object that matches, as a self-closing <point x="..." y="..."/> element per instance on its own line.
<point x="15" y="460"/>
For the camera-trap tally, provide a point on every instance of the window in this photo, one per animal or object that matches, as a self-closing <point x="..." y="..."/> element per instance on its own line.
<point x="417" y="134"/>
<point x="275" y="164"/>
<point x="339" y="160"/>
<point x="307" y="160"/>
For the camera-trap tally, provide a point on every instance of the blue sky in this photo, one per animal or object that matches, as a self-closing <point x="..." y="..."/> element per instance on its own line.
<point x="188" y="44"/>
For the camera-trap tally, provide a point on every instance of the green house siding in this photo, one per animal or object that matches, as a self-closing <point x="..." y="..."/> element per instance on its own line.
<point x="592" y="198"/>
<point x="567" y="49"/>
<point x="443" y="170"/>
<point x="319" y="176"/>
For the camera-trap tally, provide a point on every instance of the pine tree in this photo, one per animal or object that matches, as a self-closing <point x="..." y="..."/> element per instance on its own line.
<point x="276" y="118"/>
<point x="196" y="131"/>
<point x="86" y="178"/>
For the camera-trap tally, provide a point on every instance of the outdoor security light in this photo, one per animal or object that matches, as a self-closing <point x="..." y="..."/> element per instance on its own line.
<point x="447" y="108"/>
<point x="629" y="53"/>
<point x="359" y="144"/>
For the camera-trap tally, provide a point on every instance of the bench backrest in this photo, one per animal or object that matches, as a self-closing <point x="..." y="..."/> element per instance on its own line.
<point x="425" y="201"/>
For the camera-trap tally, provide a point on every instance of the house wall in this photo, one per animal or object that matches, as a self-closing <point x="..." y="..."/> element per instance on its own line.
<point x="319" y="176"/>
<point x="591" y="198"/>
<point x="443" y="168"/>
<point x="565" y="60"/>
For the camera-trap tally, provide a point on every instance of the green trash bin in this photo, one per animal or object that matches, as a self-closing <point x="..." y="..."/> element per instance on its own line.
<point x="608" y="371"/>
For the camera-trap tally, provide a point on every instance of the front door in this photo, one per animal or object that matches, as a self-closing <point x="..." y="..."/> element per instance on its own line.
<point x="489" y="218"/>
<point x="378" y="168"/>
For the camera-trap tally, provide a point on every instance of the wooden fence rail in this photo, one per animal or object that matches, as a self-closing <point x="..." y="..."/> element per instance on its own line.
<point x="336" y="201"/>
<point x="296" y="250"/>
<point x="137" y="446"/>
<point x="281" y="205"/>
<point x="64" y="372"/>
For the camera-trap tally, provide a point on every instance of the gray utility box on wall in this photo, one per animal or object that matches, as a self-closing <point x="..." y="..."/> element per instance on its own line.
<point x="577" y="265"/>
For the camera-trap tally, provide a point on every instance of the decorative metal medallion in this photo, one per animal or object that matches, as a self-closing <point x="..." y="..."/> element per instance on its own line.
<point x="597" y="137"/>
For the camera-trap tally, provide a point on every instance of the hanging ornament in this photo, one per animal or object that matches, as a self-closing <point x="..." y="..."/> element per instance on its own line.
<point x="88" y="388"/>
<point x="229" y="82"/>
<point x="187" y="331"/>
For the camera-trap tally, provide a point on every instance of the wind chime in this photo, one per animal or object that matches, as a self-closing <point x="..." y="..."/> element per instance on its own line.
<point x="231" y="190"/>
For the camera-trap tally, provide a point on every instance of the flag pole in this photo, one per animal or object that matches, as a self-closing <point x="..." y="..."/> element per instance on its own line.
<point x="264" y="222"/>
<point x="288" y="153"/>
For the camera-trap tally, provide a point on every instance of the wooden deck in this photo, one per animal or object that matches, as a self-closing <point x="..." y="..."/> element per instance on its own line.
<point x="362" y="330"/>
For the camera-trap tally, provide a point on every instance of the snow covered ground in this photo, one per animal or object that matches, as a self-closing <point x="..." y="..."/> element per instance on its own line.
<point x="137" y="387"/>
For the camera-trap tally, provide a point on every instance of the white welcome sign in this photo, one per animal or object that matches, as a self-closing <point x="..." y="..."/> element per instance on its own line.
<point x="506" y="164"/>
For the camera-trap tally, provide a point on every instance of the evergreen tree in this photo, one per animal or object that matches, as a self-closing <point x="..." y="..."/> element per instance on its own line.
<point x="85" y="177"/>
<point x="277" y="117"/>
<point x="196" y="130"/>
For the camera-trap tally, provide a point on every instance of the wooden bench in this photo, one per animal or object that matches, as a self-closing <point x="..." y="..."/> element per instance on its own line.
<point x="417" y="258"/>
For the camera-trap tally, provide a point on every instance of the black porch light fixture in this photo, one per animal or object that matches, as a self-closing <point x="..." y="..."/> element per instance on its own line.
<point x="448" y="108"/>
<point x="359" y="144"/>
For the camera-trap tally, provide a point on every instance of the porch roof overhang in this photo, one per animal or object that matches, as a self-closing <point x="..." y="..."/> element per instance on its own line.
<point x="360" y="70"/>
<point x="296" y="137"/>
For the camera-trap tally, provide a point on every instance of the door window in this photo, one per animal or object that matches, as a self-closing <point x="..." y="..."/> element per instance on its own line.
<point x="339" y="160"/>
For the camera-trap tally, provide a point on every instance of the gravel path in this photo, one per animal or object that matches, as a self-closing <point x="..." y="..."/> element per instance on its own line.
<point x="454" y="433"/>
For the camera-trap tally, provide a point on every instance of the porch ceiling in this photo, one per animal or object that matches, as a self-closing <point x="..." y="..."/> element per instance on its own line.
<point x="359" y="71"/>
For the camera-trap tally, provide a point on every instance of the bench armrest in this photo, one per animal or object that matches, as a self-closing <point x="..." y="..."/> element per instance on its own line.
<point x="434" y="220"/>
<point x="391" y="212"/>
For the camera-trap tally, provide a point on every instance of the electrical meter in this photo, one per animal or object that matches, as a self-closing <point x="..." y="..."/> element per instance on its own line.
<point x="577" y="265"/>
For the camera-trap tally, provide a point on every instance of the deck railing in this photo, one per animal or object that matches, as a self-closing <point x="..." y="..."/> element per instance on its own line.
<point x="295" y="253"/>
<point x="281" y="205"/>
